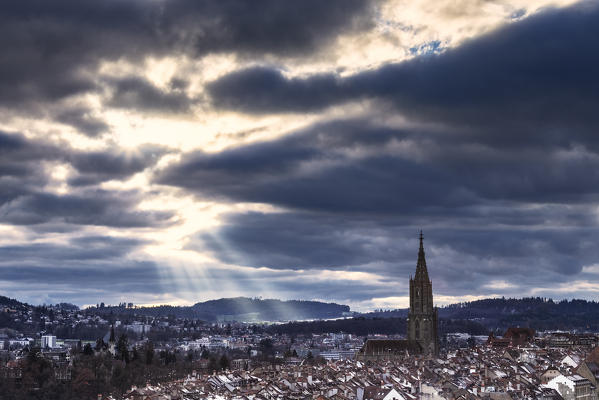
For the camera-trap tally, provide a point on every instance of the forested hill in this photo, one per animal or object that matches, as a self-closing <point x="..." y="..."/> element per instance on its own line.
<point x="271" y="309"/>
<point x="490" y="314"/>
<point x="12" y="303"/>
<point x="535" y="312"/>
<point x="240" y="309"/>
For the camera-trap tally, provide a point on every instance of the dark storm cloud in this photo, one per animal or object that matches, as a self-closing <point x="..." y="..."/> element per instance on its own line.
<point x="23" y="176"/>
<point x="91" y="207"/>
<point x="20" y="170"/>
<point x="83" y="120"/>
<point x="124" y="277"/>
<point x="536" y="74"/>
<point x="140" y="94"/>
<point x="21" y="158"/>
<point x="296" y="241"/>
<point x="356" y="166"/>
<point x="265" y="26"/>
<point x="311" y="169"/>
<point x="266" y="90"/>
<point x="388" y="248"/>
<point x="88" y="262"/>
<point x="16" y="151"/>
<point x="78" y="249"/>
<point x="315" y="241"/>
<point x="96" y="167"/>
<point x="50" y="50"/>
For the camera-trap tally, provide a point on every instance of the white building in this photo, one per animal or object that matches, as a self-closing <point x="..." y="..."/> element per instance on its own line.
<point x="48" y="341"/>
<point x="572" y="387"/>
<point x="378" y="393"/>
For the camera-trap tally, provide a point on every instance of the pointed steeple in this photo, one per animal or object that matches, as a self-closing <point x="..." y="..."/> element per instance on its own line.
<point x="421" y="271"/>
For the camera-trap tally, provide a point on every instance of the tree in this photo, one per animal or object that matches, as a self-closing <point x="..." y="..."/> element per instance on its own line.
<point x="266" y="346"/>
<point x="223" y="363"/>
<point x="81" y="383"/>
<point x="100" y="345"/>
<point x="471" y="342"/>
<point x="122" y="348"/>
<point x="205" y="354"/>
<point x="149" y="352"/>
<point x="212" y="365"/>
<point x="87" y="350"/>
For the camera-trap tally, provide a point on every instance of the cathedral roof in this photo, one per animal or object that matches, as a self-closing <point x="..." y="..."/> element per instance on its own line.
<point x="421" y="271"/>
<point x="393" y="346"/>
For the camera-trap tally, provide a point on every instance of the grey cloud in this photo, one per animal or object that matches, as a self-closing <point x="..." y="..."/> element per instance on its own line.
<point x="125" y="277"/>
<point x="79" y="249"/>
<point x="437" y="173"/>
<point x="22" y="175"/>
<point x="266" y="90"/>
<point x="92" y="207"/>
<point x="91" y="264"/>
<point x="21" y="158"/>
<point x="50" y="51"/>
<point x="20" y="169"/>
<point x="388" y="247"/>
<point x="139" y="94"/>
<point x="83" y="120"/>
<point x="296" y="241"/>
<point x="528" y="81"/>
<point x="96" y="167"/>
<point x="352" y="191"/>
<point x="267" y="26"/>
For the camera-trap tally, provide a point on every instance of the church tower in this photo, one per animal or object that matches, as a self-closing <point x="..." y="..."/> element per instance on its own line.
<point x="422" y="318"/>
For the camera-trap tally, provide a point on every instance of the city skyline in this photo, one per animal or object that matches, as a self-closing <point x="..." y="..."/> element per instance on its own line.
<point x="176" y="151"/>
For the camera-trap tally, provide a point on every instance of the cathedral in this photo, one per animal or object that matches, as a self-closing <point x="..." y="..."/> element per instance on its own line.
<point x="422" y="321"/>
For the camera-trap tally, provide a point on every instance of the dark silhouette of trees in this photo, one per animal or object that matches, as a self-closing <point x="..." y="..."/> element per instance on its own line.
<point x="87" y="350"/>
<point x="148" y="350"/>
<point x="223" y="363"/>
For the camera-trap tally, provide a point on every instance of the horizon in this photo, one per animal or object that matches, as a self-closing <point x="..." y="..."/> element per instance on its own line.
<point x="86" y="306"/>
<point x="175" y="151"/>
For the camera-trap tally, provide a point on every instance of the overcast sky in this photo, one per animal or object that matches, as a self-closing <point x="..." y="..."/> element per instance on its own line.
<point x="174" y="151"/>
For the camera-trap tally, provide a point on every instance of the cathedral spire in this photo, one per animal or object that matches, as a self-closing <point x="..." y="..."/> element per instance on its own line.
<point x="421" y="271"/>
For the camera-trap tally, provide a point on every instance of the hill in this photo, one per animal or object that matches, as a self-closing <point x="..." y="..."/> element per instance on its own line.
<point x="241" y="309"/>
<point x="500" y="313"/>
<point x="246" y="309"/>
<point x="12" y="303"/>
<point x="482" y="315"/>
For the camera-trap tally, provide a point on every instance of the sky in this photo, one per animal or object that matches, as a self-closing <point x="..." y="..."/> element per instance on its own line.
<point x="175" y="151"/>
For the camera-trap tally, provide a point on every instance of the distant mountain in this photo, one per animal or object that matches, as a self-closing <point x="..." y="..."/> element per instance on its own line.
<point x="501" y="313"/>
<point x="241" y="309"/>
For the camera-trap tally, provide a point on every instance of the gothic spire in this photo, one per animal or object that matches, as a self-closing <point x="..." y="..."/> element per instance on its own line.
<point x="421" y="271"/>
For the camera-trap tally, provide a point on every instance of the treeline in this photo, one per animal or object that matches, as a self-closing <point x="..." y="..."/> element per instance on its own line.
<point x="12" y="303"/>
<point x="498" y="314"/>
<point x="534" y="312"/>
<point x="357" y="326"/>
<point x="362" y="326"/>
<point x="272" y="309"/>
<point x="238" y="308"/>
